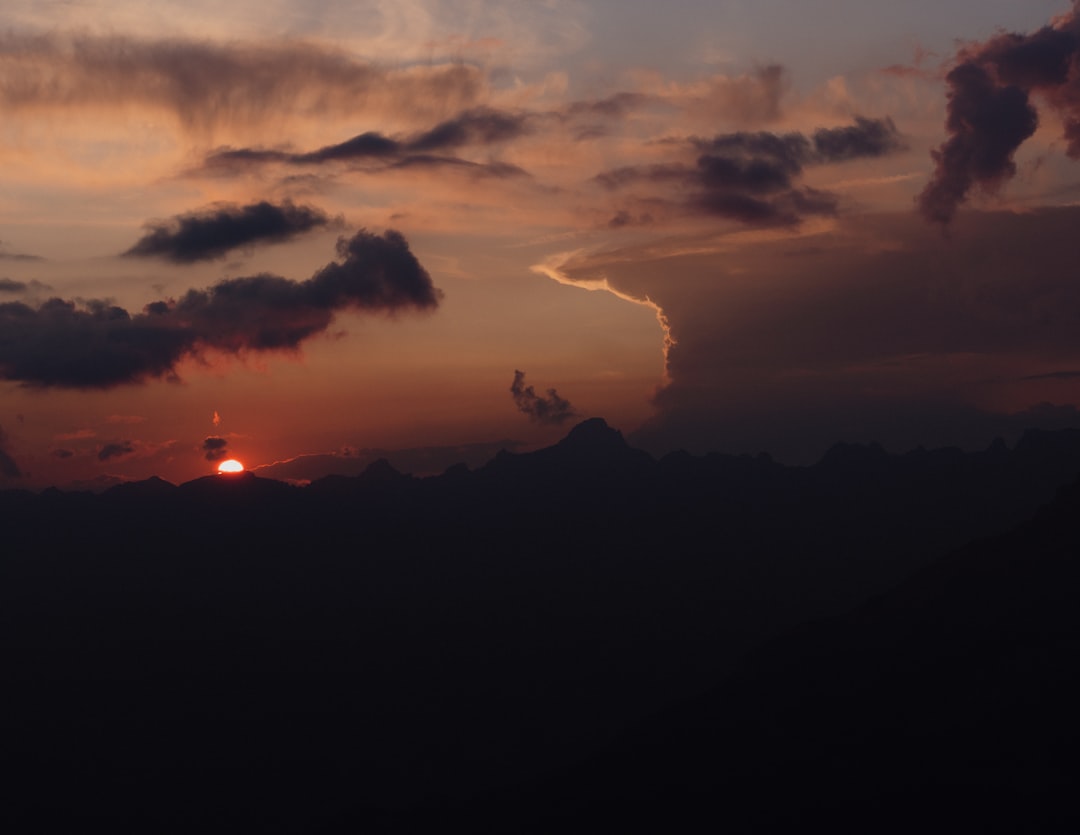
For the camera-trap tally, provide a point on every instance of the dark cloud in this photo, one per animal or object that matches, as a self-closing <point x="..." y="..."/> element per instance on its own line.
<point x="95" y="344"/>
<point x="207" y="84"/>
<point x="10" y="285"/>
<point x="63" y="453"/>
<point x="990" y="112"/>
<point x="478" y="127"/>
<point x="551" y="409"/>
<point x="365" y="146"/>
<point x="986" y="123"/>
<point x="867" y="138"/>
<point x="211" y="233"/>
<point x="215" y="448"/>
<point x="8" y="467"/>
<point x="751" y="177"/>
<point x="116" y="450"/>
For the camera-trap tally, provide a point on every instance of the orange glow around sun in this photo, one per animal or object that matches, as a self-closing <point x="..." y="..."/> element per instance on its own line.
<point x="230" y="466"/>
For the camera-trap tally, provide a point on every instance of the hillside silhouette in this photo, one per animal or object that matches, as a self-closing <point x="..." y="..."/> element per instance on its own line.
<point x="581" y="633"/>
<point x="949" y="704"/>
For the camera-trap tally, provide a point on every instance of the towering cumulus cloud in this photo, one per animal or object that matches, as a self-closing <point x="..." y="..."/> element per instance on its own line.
<point x="551" y="409"/>
<point x="95" y="344"/>
<point x="990" y="112"/>
<point x="211" y="233"/>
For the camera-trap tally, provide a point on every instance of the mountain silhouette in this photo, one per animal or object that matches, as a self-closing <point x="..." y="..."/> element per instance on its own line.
<point x="240" y="653"/>
<point x="946" y="705"/>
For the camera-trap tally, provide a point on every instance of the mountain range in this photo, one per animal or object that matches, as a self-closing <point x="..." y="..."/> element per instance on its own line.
<point x="580" y="637"/>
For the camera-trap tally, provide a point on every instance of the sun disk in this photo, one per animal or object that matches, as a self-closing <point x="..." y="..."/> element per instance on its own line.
<point x="230" y="466"/>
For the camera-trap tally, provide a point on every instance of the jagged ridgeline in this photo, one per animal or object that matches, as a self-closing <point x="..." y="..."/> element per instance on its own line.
<point x="239" y="652"/>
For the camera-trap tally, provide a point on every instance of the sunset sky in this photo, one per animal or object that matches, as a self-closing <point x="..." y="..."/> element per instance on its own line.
<point x="303" y="234"/>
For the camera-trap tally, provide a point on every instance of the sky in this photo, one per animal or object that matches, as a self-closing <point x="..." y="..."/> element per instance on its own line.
<point x="310" y="234"/>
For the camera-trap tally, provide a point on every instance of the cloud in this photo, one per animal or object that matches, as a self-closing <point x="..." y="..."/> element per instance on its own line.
<point x="119" y="449"/>
<point x="550" y="410"/>
<point x="480" y="126"/>
<point x="96" y="344"/>
<point x="10" y="285"/>
<point x="867" y="138"/>
<point x="884" y="331"/>
<point x="750" y="177"/>
<point x="990" y="113"/>
<point x="215" y="448"/>
<point x="207" y="84"/>
<point x="211" y="233"/>
<point x="615" y="106"/>
<point x="477" y="127"/>
<point x="8" y="467"/>
<point x="5" y="255"/>
<point x="748" y="99"/>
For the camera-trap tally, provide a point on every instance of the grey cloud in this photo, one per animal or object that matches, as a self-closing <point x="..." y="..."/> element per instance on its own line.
<point x="118" y="449"/>
<point x="214" y="448"/>
<point x="990" y="111"/>
<point x="550" y="409"/>
<point x="480" y="126"/>
<point x="96" y="344"/>
<point x="477" y="127"/>
<point x="211" y="233"/>
<point x="751" y="177"/>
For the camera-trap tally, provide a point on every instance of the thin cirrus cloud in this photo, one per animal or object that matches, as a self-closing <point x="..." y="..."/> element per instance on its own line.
<point x="211" y="233"/>
<point x="990" y="111"/>
<point x="95" y="344"/>
<point x="751" y="177"/>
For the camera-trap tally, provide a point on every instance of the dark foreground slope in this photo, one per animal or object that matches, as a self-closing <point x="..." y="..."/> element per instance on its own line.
<point x="949" y="705"/>
<point x="237" y="653"/>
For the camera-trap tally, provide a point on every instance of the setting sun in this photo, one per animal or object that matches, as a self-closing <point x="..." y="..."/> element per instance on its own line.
<point x="230" y="466"/>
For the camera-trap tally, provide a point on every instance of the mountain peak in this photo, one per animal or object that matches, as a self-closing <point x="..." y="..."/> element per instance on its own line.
<point x="381" y="470"/>
<point x="594" y="433"/>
